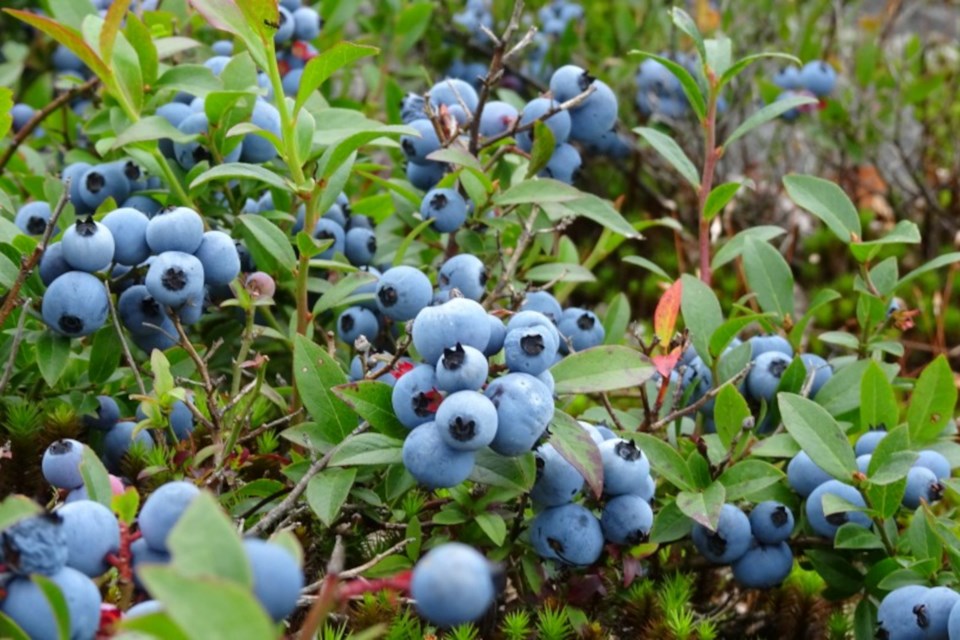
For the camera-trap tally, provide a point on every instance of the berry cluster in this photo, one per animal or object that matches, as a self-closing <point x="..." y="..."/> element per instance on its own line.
<point x="916" y="612"/>
<point x="817" y="79"/>
<point x="659" y="91"/>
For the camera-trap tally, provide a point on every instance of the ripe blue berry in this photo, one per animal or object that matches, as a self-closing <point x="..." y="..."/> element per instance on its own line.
<point x="143" y="555"/>
<point x="287" y="26"/>
<point x="327" y="229"/>
<point x="277" y="577"/>
<point x="119" y="440"/>
<point x="564" y="164"/>
<point x="431" y="461"/>
<point x="498" y="333"/>
<point x="764" y="566"/>
<point x="361" y="245"/>
<point x="307" y="23"/>
<point x="416" y="149"/>
<point x="402" y="292"/>
<point x="34" y="545"/>
<point x="901" y="614"/>
<point x="624" y="467"/>
<point x="788" y="77"/>
<point x="75" y="304"/>
<point x="935" y="461"/>
<point x="101" y="182"/>
<point x="451" y="92"/>
<point x="26" y="605"/>
<point x="595" y="116"/>
<point x="461" y="368"/>
<point x="414" y="398"/>
<point x="568" y="533"/>
<point x="819" y="78"/>
<point x="497" y="118"/>
<point x="142" y="315"/>
<point x="425" y="176"/>
<point x="771" y="522"/>
<point x="32" y="218"/>
<point x="452" y="584"/>
<point x="530" y="349"/>
<point x="580" y="328"/>
<point x="355" y="322"/>
<point x="163" y="509"/>
<point x="543" y="302"/>
<point x="92" y="532"/>
<point x="175" y="229"/>
<point x="524" y="409"/>
<point x="764" y="376"/>
<point x="107" y="415"/>
<point x="922" y="485"/>
<point x="447" y="209"/>
<point x="803" y="474"/>
<point x="827" y="525"/>
<point x="762" y="344"/>
<point x="868" y="441"/>
<point x="128" y="226"/>
<point x="466" y="273"/>
<point x="819" y="369"/>
<point x="729" y="542"/>
<point x="466" y="421"/>
<point x="218" y="255"/>
<point x="52" y="264"/>
<point x="61" y="464"/>
<point x="626" y="519"/>
<point x="558" y="481"/>
<point x="87" y="246"/>
<point x="458" y="321"/>
<point x="559" y="122"/>
<point x="175" y="278"/>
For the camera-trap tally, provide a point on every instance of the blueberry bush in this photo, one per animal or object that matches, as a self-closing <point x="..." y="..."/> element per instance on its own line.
<point x="420" y="319"/>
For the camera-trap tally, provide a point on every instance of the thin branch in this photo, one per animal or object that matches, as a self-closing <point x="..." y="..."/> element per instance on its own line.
<point x="270" y="425"/>
<point x="208" y="384"/>
<point x="17" y="338"/>
<point x="349" y="574"/>
<point x="707" y="397"/>
<point x="123" y="341"/>
<point x="572" y="103"/>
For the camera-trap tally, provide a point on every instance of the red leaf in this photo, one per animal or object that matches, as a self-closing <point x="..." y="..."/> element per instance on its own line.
<point x="665" y="317"/>
<point x="666" y="364"/>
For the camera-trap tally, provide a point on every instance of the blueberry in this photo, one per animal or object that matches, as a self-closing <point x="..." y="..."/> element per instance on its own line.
<point x="256" y="148"/>
<point x="459" y="321"/>
<point x="827" y="525"/>
<point x="307" y="23"/>
<point x="935" y="607"/>
<point x="416" y="149"/>
<point x="653" y="77"/>
<point x="61" y="464"/>
<point x="569" y="533"/>
<point x="181" y="420"/>
<point x="147" y="606"/>
<point x="819" y="78"/>
<point x="218" y="255"/>
<point x="559" y="123"/>
<point x="414" y="398"/>
<point x="788" y="77"/>
<point x="529" y="319"/>
<point x="762" y="344"/>
<point x="412" y="108"/>
<point x="452" y="584"/>
<point x="28" y="607"/>
<point x="466" y="273"/>
<point x="569" y="81"/>
<point x="819" y="369"/>
<point x="564" y="164"/>
<point x="402" y="292"/>
<point x="790" y="115"/>
<point x="627" y="519"/>
<point x="581" y="328"/>
<point x="452" y="92"/>
<point x="33" y="217"/>
<point x="901" y="614"/>
<point x="497" y="118"/>
<point x="764" y="566"/>
<point x="530" y="349"/>
<point x="498" y="333"/>
<point x="803" y="474"/>
<point x="863" y="462"/>
<point x="595" y="116"/>
<point x="75" y="304"/>
<point x="425" y="176"/>
<point x="128" y="226"/>
<point x="953" y="623"/>
<point x="175" y="229"/>
<point x="291" y="82"/>
<point x="922" y="484"/>
<point x="447" y="209"/>
<point x="87" y="246"/>
<point x="432" y="462"/>
<point x="729" y="542"/>
<point x="868" y="441"/>
<point x="21" y="114"/>
<point x="624" y="467"/>
<point x="163" y="509"/>
<point x="104" y="181"/>
<point x="648" y="489"/>
<point x="461" y="368"/>
<point x="34" y="545"/>
<point x="142" y="555"/>
<point x="524" y="409"/>
<point x="697" y="375"/>
<point x="771" y="522"/>
<point x="558" y="481"/>
<point x="92" y="532"/>
<point x="543" y="302"/>
<point x="118" y="441"/>
<point x="107" y="415"/>
<point x="222" y="48"/>
<point x="361" y="245"/>
<point x="764" y="376"/>
<point x="175" y="278"/>
<point x="935" y="461"/>
<point x="142" y="315"/>
<point x="327" y="229"/>
<point x="190" y="154"/>
<point x="466" y="421"/>
<point x="287" y="26"/>
<point x="277" y="577"/>
<point x="354" y="322"/>
<point x="52" y="264"/>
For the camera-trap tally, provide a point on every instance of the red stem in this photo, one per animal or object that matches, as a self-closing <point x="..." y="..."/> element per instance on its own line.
<point x="711" y="155"/>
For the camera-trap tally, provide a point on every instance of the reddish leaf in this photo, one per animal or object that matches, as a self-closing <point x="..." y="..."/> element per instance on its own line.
<point x="583" y="589"/>
<point x="665" y="317"/>
<point x="631" y="569"/>
<point x="666" y="364"/>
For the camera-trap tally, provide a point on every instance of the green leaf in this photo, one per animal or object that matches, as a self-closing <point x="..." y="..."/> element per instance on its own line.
<point x="734" y="247"/>
<point x="590" y="207"/>
<point x="6" y="119"/>
<point x="365" y="449"/>
<point x="932" y="265"/>
<point x="204" y="544"/>
<point x="494" y="470"/>
<point x="719" y="197"/>
<point x="691" y="88"/>
<point x="70" y="12"/>
<point x="769" y="275"/>
<point x="748" y="478"/>
<point x="672" y="153"/>
<point x="53" y="351"/>
<point x="905" y="232"/>
<point x="57" y="600"/>
<point x="922" y="538"/>
<point x="9" y="629"/>
<point x="703" y="507"/>
<point x="853" y="536"/>
<point x="240" y="170"/>
<point x="896" y="441"/>
<point x="372" y="402"/>
<point x="885" y="499"/>
<point x="669" y="524"/>
<point x="68" y="37"/>
<point x="766" y="114"/>
<point x="841" y="393"/>
<point x="493" y="525"/>
<point x="140" y="38"/>
<point x="96" y="480"/>
<point x="729" y="412"/>
<point x="686" y="24"/>
<point x="878" y="404"/>
<point x="320" y="68"/>
<point x="617" y="319"/>
<point x="316" y="374"/>
<point x="701" y="314"/>
<point x="544" y="144"/>
<point x="339" y="292"/>
<point x="105" y="355"/>
<point x="195" y="79"/>
<point x="828" y="202"/>
<point x="230" y="16"/>
<point x="111" y="28"/>
<point x="269" y="246"/>
<point x="15" y="508"/>
<point x="559" y="272"/>
<point x="820" y="299"/>
<point x="162" y="378"/>
<point x="649" y="265"/>
<point x="819" y="435"/>
<point x="665" y="460"/>
<point x="719" y="54"/>
<point x="327" y="492"/>
<point x="742" y="63"/>
<point x="893" y="468"/>
<point x="932" y="402"/>
<point x="575" y="445"/>
<point x="603" y="368"/>
<point x="208" y="608"/>
<point x="843" y="578"/>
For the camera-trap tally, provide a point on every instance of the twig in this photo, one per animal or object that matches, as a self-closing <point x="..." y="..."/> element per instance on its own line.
<point x="208" y="384"/>
<point x="709" y="395"/>
<point x="274" y="515"/>
<point x="123" y="341"/>
<point x="28" y="264"/>
<point x="42" y="115"/>
<point x="356" y="571"/>
<point x="572" y="103"/>
<point x="525" y="237"/>
<point x="17" y="338"/>
<point x="270" y="425"/>
<point x="611" y="412"/>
